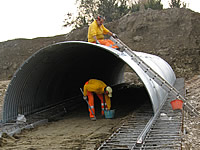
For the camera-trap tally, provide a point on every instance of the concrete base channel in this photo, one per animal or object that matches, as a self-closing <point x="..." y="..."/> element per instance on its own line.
<point x="165" y="132"/>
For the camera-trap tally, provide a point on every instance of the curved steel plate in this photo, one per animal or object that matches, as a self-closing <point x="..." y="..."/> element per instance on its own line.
<point x="55" y="73"/>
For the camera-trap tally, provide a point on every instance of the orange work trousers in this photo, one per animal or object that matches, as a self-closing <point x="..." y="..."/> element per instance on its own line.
<point x="91" y="103"/>
<point x="108" y="43"/>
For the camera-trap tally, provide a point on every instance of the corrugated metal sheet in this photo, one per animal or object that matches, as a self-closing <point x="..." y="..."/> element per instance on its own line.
<point x="156" y="92"/>
<point x="55" y="73"/>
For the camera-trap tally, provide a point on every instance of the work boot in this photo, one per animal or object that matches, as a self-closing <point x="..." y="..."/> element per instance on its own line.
<point x="93" y="119"/>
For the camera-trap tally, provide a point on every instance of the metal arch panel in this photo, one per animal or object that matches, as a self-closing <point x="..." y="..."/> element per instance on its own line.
<point x="30" y="84"/>
<point x="156" y="92"/>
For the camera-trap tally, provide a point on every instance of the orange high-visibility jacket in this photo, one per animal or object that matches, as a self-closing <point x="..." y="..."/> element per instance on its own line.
<point x="97" y="86"/>
<point x="95" y="30"/>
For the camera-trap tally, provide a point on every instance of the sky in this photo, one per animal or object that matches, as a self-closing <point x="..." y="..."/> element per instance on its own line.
<point x="43" y="18"/>
<point x="33" y="18"/>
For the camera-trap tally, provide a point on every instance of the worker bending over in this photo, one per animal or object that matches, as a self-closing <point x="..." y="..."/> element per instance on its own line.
<point x="97" y="31"/>
<point x="103" y="92"/>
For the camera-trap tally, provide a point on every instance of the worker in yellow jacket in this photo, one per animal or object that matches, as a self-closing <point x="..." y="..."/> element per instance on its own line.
<point x="97" y="31"/>
<point x="103" y="92"/>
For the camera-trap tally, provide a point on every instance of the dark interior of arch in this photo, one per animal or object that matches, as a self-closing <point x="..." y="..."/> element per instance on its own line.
<point x="66" y="68"/>
<point x="57" y="73"/>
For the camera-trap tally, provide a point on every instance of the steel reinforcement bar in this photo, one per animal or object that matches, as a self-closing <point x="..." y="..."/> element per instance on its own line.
<point x="164" y="133"/>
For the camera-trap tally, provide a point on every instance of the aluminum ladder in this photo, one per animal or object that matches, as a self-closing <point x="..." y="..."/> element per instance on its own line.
<point x="155" y="76"/>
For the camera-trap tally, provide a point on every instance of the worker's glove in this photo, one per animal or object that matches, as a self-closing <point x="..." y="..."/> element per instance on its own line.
<point x="97" y="42"/>
<point x="85" y="97"/>
<point x="114" y="35"/>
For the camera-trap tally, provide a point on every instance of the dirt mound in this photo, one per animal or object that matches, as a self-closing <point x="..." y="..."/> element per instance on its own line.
<point x="172" y="34"/>
<point x="192" y="124"/>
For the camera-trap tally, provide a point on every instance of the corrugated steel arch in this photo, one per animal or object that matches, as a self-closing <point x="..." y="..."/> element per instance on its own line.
<point x="58" y="71"/>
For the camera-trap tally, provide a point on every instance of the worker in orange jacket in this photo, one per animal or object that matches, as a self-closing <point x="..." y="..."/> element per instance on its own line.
<point x="97" y="31"/>
<point x="102" y="90"/>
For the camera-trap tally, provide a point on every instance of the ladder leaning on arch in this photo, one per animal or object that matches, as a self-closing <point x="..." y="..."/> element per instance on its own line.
<point x="155" y="76"/>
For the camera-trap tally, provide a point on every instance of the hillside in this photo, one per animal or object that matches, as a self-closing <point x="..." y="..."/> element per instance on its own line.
<point x="172" y="34"/>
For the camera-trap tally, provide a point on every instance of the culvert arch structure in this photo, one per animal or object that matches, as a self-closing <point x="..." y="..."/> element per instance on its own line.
<point x="56" y="73"/>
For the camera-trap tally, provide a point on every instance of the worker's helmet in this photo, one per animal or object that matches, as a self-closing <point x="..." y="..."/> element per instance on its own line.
<point x="109" y="91"/>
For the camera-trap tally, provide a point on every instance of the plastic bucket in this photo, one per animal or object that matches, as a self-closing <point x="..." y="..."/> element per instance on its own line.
<point x="109" y="114"/>
<point x="177" y="104"/>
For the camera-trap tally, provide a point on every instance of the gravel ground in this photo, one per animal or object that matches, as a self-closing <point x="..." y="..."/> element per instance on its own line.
<point x="191" y="139"/>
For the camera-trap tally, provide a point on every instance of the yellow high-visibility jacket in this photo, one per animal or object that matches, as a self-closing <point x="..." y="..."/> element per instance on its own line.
<point x="97" y="86"/>
<point x="95" y="30"/>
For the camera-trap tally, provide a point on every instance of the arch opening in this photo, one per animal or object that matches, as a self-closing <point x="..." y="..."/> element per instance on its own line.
<point x="57" y="72"/>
